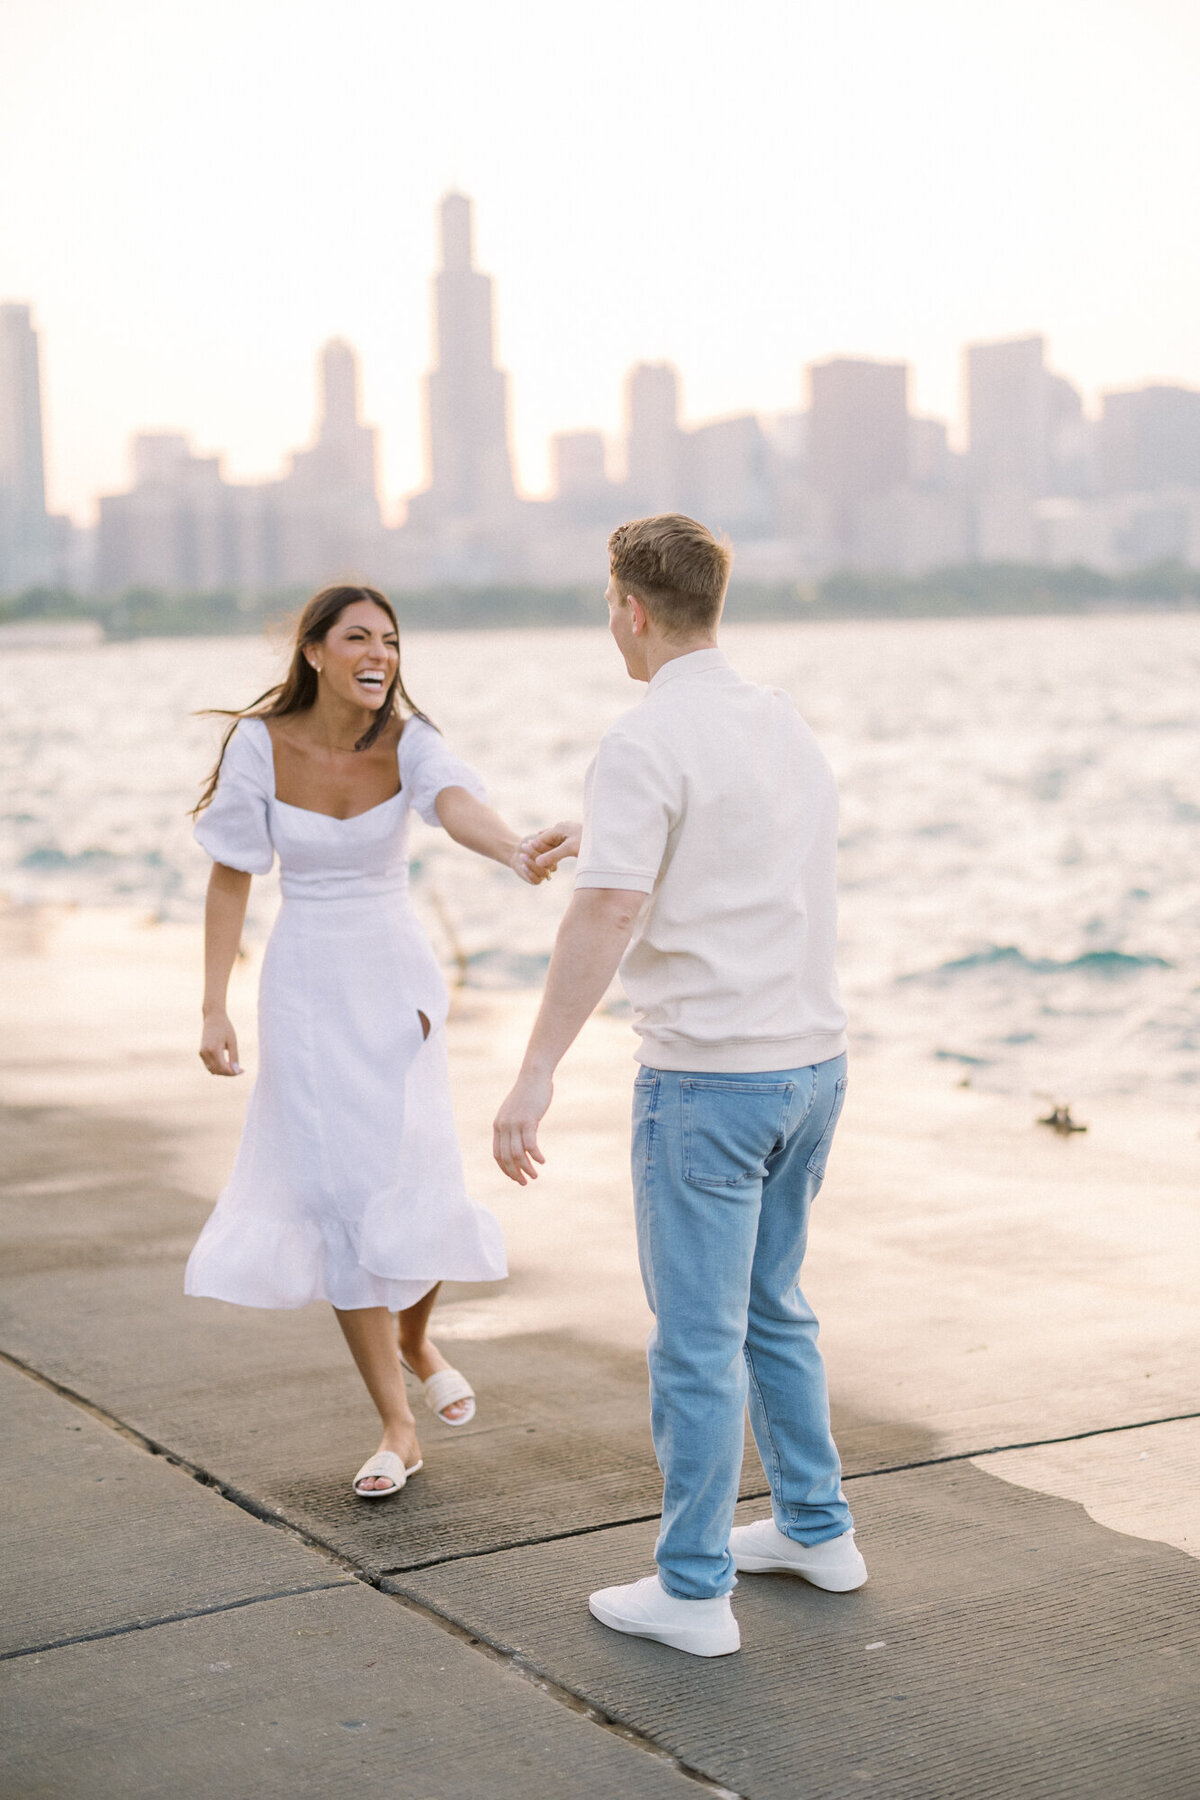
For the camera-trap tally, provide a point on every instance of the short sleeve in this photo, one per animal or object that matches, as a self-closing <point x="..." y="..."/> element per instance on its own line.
<point x="628" y="813"/>
<point x="234" y="828"/>
<point x="427" y="766"/>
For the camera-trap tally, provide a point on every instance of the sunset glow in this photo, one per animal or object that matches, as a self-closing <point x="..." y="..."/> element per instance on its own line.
<point x="194" y="199"/>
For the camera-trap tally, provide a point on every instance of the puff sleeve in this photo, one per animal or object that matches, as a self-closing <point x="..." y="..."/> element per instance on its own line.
<point x="426" y="767"/>
<point x="234" y="829"/>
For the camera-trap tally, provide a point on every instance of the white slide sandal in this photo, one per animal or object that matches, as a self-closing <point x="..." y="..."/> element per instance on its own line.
<point x="443" y="1389"/>
<point x="388" y="1464"/>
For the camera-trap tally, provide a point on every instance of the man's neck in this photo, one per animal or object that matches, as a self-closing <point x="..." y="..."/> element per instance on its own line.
<point x="664" y="650"/>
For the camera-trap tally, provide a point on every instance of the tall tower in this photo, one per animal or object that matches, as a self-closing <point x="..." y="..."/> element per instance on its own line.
<point x="1008" y="397"/>
<point x="339" y="470"/>
<point x="343" y="461"/>
<point x="857" y="427"/>
<point x="470" y="467"/>
<point x="654" y="445"/>
<point x="324" y="515"/>
<point x="339" y="386"/>
<point x="24" y="530"/>
<point x="858" y="439"/>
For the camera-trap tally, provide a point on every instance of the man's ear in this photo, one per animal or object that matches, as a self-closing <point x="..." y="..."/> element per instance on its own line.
<point x="640" y="615"/>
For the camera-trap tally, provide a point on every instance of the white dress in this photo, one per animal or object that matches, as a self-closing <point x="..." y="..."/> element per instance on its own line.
<point x="348" y="1183"/>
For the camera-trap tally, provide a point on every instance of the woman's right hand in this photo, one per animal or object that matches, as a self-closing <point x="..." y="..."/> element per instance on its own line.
<point x="218" y="1046"/>
<point x="547" y="848"/>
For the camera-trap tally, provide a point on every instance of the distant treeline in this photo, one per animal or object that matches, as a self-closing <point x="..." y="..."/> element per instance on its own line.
<point x="991" y="589"/>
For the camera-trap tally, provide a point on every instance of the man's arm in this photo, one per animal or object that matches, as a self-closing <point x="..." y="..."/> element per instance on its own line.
<point x="591" y="941"/>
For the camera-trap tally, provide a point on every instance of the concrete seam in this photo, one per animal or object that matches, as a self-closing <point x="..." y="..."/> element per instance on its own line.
<point x="1069" y="1437"/>
<point x="557" y="1537"/>
<point x="564" y="1696"/>
<point x="567" y="1697"/>
<point x="203" y="1478"/>
<point x="268" y="1516"/>
<point x="929" y="1462"/>
<point x="176" y="1618"/>
<point x="574" y="1703"/>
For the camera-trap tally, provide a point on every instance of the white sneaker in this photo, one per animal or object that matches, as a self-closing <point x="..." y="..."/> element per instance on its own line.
<point x="761" y="1548"/>
<point x="645" y="1609"/>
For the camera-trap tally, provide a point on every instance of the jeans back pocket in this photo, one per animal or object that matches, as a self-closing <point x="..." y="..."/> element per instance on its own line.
<point x="730" y="1127"/>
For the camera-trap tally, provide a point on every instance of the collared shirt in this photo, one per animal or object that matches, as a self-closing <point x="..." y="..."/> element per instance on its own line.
<point x="714" y="798"/>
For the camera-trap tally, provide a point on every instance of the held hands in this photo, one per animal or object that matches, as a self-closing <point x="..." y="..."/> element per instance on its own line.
<point x="514" y="1134"/>
<point x="521" y="862"/>
<point x="218" y="1046"/>
<point x="539" y="855"/>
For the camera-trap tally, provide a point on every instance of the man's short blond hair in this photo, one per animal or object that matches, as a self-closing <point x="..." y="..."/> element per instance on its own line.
<point x="677" y="569"/>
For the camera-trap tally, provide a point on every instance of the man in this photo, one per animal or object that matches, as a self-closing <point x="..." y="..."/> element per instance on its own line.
<point x="706" y="870"/>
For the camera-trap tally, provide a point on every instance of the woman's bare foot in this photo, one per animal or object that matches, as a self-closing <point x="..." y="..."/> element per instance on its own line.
<point x="425" y="1359"/>
<point x="402" y="1443"/>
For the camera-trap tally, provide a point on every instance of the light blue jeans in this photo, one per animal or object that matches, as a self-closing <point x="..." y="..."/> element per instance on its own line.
<point x="725" y="1170"/>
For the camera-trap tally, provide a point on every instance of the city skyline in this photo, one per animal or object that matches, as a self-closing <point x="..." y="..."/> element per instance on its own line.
<point x="193" y="203"/>
<point x="853" y="480"/>
<point x="23" y="316"/>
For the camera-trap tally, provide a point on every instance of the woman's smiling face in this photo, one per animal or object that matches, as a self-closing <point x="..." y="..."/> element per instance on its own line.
<point x="359" y="655"/>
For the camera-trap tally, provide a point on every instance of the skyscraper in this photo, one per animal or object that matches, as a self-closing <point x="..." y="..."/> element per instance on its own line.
<point x="858" y="431"/>
<point x="1150" y="438"/>
<point x="654" y="455"/>
<point x="340" y="467"/>
<point x="182" y="528"/>
<point x="24" y="527"/>
<point x="858" y="427"/>
<point x="470" y="466"/>
<point x="1008" y="408"/>
<point x="729" y="481"/>
<point x="175" y="529"/>
<point x="582" y="490"/>
<point x="322" y="521"/>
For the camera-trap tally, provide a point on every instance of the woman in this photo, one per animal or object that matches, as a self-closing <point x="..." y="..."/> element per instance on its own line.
<point x="348" y="1184"/>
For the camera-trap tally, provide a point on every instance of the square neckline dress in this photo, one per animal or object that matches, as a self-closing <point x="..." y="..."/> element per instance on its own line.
<point x="348" y="1182"/>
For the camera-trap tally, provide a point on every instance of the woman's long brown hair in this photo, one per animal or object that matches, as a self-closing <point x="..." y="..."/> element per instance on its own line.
<point x="298" y="689"/>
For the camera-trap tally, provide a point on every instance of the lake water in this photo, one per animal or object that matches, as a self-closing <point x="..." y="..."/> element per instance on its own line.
<point x="1020" y="815"/>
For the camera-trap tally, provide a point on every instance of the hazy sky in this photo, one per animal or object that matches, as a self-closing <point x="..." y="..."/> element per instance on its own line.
<point x="193" y="196"/>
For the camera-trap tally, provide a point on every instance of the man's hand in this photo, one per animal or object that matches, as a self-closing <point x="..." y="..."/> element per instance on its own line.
<point x="549" y="847"/>
<point x="514" y="1134"/>
<point x="591" y="941"/>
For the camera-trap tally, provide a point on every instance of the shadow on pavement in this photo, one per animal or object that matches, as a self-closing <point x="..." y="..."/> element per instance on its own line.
<point x="1005" y="1645"/>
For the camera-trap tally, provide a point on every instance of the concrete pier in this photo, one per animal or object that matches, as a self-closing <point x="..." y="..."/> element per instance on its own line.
<point x="195" y="1603"/>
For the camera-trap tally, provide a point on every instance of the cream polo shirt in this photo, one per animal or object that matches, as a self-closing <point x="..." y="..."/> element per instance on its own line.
<point x="713" y="797"/>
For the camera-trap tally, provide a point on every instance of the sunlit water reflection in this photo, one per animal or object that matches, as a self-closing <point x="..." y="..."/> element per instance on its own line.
<point x="1020" y="815"/>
